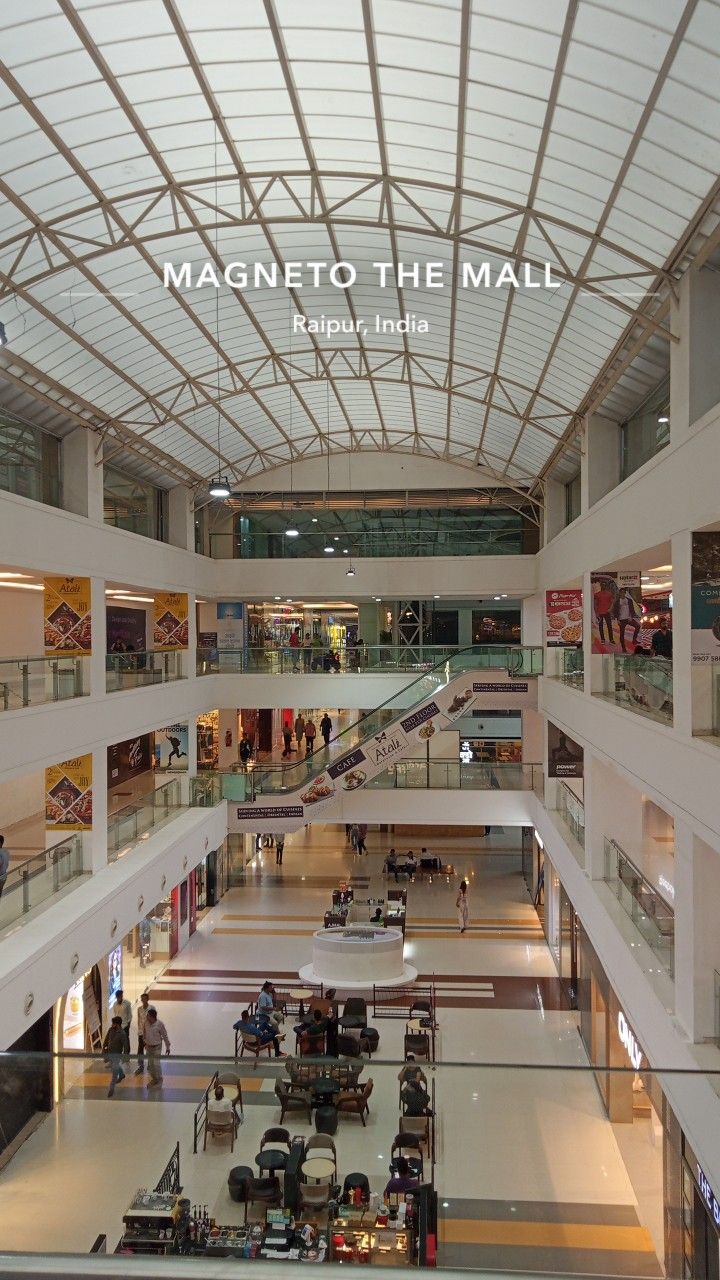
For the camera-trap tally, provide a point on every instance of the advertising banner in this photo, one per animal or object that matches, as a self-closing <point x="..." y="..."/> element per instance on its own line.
<point x="564" y="619"/>
<point x="126" y="630"/>
<point x="616" y="611"/>
<point x="230" y="624"/>
<point x="68" y="624"/>
<point x="68" y="795"/>
<point x="171" y="747"/>
<point x="128" y="759"/>
<point x="384" y="747"/>
<point x="705" y="598"/>
<point x="565" y="756"/>
<point x="114" y="974"/>
<point x="170" y="620"/>
<point x="454" y="704"/>
<point x="420" y="726"/>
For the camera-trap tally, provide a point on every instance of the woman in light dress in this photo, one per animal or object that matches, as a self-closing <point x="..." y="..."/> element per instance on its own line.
<point x="463" y="909"/>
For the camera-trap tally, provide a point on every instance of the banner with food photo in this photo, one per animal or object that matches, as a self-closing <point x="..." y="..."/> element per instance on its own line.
<point x="68" y="795"/>
<point x="68" y="622"/>
<point x="705" y="598"/>
<point x="617" y="612"/>
<point x="170" y="620"/>
<point x="564" y="619"/>
<point x="453" y="702"/>
<point x="317" y="794"/>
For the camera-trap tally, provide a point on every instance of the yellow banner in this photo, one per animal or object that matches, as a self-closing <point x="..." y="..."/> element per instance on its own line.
<point x="170" y="625"/>
<point x="68" y="628"/>
<point x="68" y="795"/>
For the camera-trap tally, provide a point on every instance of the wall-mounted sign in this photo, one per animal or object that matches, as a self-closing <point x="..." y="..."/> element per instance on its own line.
<point x="68" y="623"/>
<point x="705" y="597"/>
<point x="565" y="756"/>
<point x="708" y="1195"/>
<point x="516" y="686"/>
<point x="628" y="1041"/>
<point x="230" y="624"/>
<point x="564" y="619"/>
<point x="616" y="611"/>
<point x="68" y="795"/>
<point x="114" y="974"/>
<point x="466" y="753"/>
<point x="170" y="620"/>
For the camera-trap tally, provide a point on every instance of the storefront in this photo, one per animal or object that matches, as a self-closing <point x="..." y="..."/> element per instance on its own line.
<point x="207" y="740"/>
<point x="332" y="625"/>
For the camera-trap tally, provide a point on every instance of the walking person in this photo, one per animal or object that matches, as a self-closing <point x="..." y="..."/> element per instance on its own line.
<point x="310" y="734"/>
<point x="142" y="1014"/>
<point x="287" y="740"/>
<point x="463" y="908"/>
<point x="155" y="1037"/>
<point x="122" y="1009"/>
<point x="361" y="834"/>
<point x="245" y="750"/>
<point x="326" y="728"/>
<point x="294" y="643"/>
<point x="114" y="1048"/>
<point x="354" y="837"/>
<point x="4" y="864"/>
<point x="299" y="727"/>
<point x="279" y="848"/>
<point x="307" y="651"/>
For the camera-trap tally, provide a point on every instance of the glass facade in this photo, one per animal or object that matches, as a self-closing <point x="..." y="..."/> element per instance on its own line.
<point x="29" y="461"/>
<point x="134" y="504"/>
<point x="572" y="499"/>
<point x="646" y="432"/>
<point x="377" y="532"/>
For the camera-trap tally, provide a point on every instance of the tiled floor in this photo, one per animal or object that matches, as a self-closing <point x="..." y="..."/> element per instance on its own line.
<point x="529" y="1171"/>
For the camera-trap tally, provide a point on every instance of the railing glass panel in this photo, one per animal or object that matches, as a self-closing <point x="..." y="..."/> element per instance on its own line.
<point x="365" y="659"/>
<point x="572" y="811"/>
<point x="136" y="821"/>
<point x="39" y="879"/>
<point x="137" y="670"/>
<point x="640" y="682"/>
<point x="652" y="915"/>
<point x="27" y="682"/>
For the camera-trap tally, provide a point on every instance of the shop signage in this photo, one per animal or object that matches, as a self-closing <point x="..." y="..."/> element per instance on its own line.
<point x="347" y="762"/>
<point x="564" y="619"/>
<point x="171" y="746"/>
<point x="420" y="717"/>
<point x="708" y="1195"/>
<point x="705" y="597"/>
<point x="616" y="617"/>
<point x="517" y="686"/>
<point x="126" y="630"/>
<point x="170" y="620"/>
<point x="628" y="1041"/>
<point x="114" y="974"/>
<point x="384" y="747"/>
<point x="265" y="814"/>
<point x="230" y="624"/>
<point x="68" y="623"/>
<point x="466" y="753"/>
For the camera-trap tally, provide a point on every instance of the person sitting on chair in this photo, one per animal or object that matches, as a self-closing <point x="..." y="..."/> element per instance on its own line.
<point x="402" y="1180"/>
<point x="415" y="1100"/>
<point x="218" y="1106"/>
<point x="260" y="1026"/>
<point x="312" y="1034"/>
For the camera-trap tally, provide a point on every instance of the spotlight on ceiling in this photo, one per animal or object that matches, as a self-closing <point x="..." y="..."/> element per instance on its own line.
<point x="3" y="335"/>
<point x="292" y="533"/>
<point x="349" y="572"/>
<point x="663" y="417"/>
<point x="329" y="551"/>
<point x="314" y="519"/>
<point x="219" y="488"/>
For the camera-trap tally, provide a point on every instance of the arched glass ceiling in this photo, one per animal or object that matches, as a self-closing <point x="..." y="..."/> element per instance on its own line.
<point x="136" y="132"/>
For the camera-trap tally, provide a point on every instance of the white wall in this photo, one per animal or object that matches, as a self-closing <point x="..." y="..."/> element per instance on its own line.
<point x="21" y="632"/>
<point x="19" y="799"/>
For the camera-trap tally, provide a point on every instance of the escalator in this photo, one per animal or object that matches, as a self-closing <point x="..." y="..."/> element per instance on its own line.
<point x="288" y="798"/>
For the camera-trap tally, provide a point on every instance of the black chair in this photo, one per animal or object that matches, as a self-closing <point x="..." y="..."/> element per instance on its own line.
<point x="352" y="1181"/>
<point x="369" y="1041"/>
<point x="348" y="1046"/>
<point x="417" y="1047"/>
<point x="237" y="1178"/>
<point x="275" y="1136"/>
<point x="356" y="1007"/>
<point x="291" y="1099"/>
<point x="326" y="1119"/>
<point x="420" y="1006"/>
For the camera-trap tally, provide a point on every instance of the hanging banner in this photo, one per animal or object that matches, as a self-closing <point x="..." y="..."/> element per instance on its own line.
<point x="170" y="620"/>
<point x="616" y="611"/>
<point x="230" y="624"/>
<point x="68" y="628"/>
<point x="565" y="756"/>
<point x="705" y="598"/>
<point x="171" y="747"/>
<point x="125" y="630"/>
<point x="128" y="759"/>
<point x="68" y="795"/>
<point x="564" y="619"/>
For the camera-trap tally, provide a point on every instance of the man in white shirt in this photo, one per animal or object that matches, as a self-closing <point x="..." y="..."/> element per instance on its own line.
<point x="141" y="1020"/>
<point x="122" y="1009"/>
<point x="155" y="1037"/>
<point x="220" y="1107"/>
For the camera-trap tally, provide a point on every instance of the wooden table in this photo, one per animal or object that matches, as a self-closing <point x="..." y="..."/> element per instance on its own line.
<point x="319" y="1167"/>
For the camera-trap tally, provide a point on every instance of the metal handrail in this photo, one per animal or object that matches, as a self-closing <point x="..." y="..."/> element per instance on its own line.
<point x="647" y="884"/>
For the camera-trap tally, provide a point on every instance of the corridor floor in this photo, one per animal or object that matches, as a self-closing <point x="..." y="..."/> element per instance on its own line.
<point x="528" y="1169"/>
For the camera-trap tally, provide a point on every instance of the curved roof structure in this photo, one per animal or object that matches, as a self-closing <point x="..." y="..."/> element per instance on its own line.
<point x="138" y="132"/>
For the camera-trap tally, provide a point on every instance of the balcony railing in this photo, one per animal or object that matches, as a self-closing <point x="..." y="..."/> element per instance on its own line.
<point x="420" y="775"/>
<point x="568" y="666"/>
<point x="365" y="659"/>
<point x="572" y="811"/>
<point x="652" y="915"/>
<point x="136" y="821"/>
<point x="40" y="878"/>
<point x="137" y="670"/>
<point x="27" y="682"/>
<point x="640" y="682"/>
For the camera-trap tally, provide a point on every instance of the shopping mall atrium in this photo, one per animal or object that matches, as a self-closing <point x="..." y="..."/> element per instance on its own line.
<point x="360" y="636"/>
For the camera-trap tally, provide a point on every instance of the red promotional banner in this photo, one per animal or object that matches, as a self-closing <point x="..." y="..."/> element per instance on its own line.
<point x="564" y="619"/>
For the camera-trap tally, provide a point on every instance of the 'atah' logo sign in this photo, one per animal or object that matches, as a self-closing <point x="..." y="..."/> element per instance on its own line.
<point x="627" y="1039"/>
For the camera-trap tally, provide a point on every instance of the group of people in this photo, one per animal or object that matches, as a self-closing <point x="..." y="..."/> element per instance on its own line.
<point x="315" y="655"/>
<point x="267" y="1023"/>
<point x="152" y="1035"/>
<point x="305" y="731"/>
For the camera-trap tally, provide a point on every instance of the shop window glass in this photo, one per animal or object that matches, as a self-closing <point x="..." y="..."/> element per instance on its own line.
<point x="134" y="504"/>
<point x="646" y="432"/>
<point x="29" y="461"/>
<point x="572" y="499"/>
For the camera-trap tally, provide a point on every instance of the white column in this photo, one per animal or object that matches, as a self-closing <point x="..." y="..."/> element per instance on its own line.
<point x="595" y="832"/>
<point x="694" y="366"/>
<point x="227" y="723"/>
<point x="600" y="460"/>
<point x="589" y="671"/>
<point x="697" y="939"/>
<point x="532" y="619"/>
<point x="683" y="675"/>
<point x="95" y="841"/>
<point x="553" y="510"/>
<point x="82" y="474"/>
<point x="99" y="637"/>
<point x="181" y="518"/>
<point x="191" y="655"/>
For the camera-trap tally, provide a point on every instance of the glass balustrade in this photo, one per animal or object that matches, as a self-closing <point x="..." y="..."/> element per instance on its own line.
<point x="525" y="660"/>
<point x="570" y="667"/>
<point x="640" y="682"/>
<point x="41" y="878"/>
<point x="572" y="811"/>
<point x="27" y="682"/>
<point x="137" y="821"/>
<point x="559" y="1190"/>
<point x="652" y="915"/>
<point x="137" y="670"/>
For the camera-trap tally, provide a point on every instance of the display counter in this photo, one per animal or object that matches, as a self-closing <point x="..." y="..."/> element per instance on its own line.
<point x="372" y="1238"/>
<point x="281" y="1238"/>
<point x="151" y="1223"/>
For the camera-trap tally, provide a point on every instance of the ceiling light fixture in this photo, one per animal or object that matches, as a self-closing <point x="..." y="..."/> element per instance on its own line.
<point x="14" y="575"/>
<point x="292" y="533"/>
<point x="349" y="572"/>
<point x="22" y="586"/>
<point x="277" y="597"/>
<point x="330" y="551"/>
<point x="663" y="417"/>
<point x="314" y="519"/>
<point x="219" y="488"/>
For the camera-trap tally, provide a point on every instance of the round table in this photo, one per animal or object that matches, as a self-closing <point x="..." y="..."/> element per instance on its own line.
<point x="271" y="1159"/>
<point x="413" y="1027"/>
<point x="302" y="994"/>
<point x="323" y="1089"/>
<point x="319" y="1167"/>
